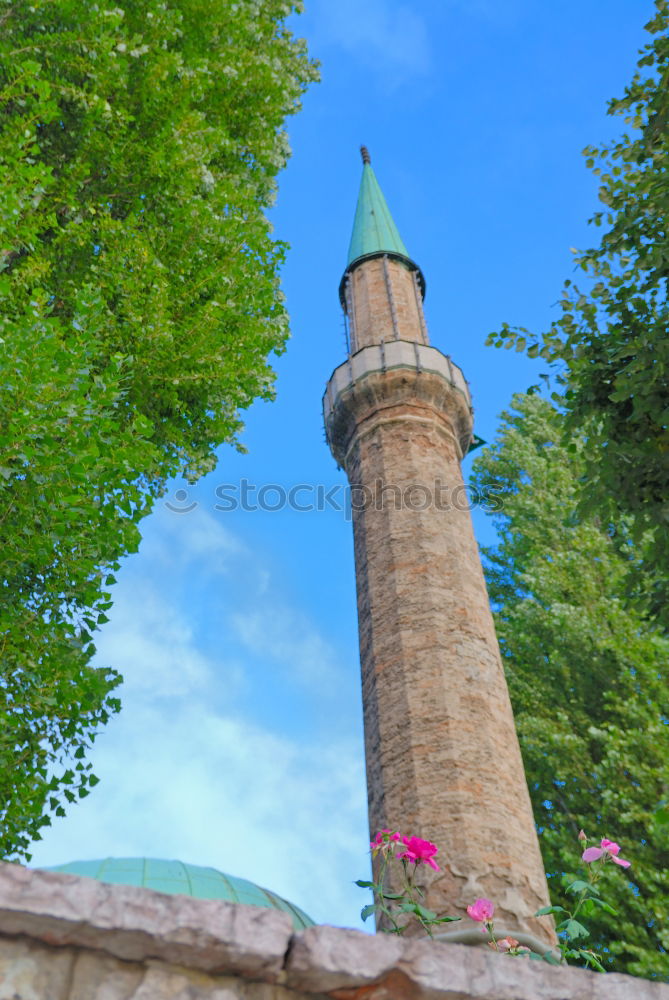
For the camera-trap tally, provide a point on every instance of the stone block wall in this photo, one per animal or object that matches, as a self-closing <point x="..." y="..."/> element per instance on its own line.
<point x="63" y="937"/>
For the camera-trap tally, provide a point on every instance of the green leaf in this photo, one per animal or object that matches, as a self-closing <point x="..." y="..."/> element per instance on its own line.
<point x="547" y="956"/>
<point x="603" y="906"/>
<point x="368" y="910"/>
<point x="661" y="815"/>
<point x="550" y="909"/>
<point x="579" y="886"/>
<point x="592" y="959"/>
<point x="576" y="930"/>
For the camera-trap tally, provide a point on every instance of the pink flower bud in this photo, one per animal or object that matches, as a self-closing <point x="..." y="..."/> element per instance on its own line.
<point x="507" y="943"/>
<point x="383" y="840"/>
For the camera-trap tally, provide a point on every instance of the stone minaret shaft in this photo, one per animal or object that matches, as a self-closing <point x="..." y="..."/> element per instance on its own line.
<point x="443" y="760"/>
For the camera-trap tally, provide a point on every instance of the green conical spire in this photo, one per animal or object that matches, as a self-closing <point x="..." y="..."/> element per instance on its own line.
<point x="374" y="231"/>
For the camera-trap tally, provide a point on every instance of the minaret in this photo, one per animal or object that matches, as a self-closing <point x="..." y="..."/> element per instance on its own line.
<point x="443" y="761"/>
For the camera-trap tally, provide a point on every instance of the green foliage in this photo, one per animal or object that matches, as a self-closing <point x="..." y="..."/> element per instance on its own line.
<point x="139" y="146"/>
<point x="587" y="677"/>
<point x="571" y="932"/>
<point x="610" y="343"/>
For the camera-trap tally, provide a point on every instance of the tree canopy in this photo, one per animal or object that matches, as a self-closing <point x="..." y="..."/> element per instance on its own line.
<point x="610" y="346"/>
<point x="139" y="302"/>
<point x="588" y="679"/>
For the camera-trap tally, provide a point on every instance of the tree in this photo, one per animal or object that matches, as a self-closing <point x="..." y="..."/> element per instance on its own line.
<point x="587" y="677"/>
<point x="139" y="146"/>
<point x="610" y="343"/>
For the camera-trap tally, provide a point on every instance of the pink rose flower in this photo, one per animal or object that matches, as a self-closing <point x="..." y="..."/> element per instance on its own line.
<point x="609" y="850"/>
<point x="509" y="946"/>
<point x="506" y="944"/>
<point x="384" y="839"/>
<point x="482" y="910"/>
<point x="418" y="850"/>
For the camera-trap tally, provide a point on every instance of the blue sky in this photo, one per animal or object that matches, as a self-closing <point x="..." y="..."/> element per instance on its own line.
<point x="240" y="741"/>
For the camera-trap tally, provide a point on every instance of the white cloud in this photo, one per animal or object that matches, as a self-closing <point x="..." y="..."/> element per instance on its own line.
<point x="175" y="539"/>
<point x="491" y="11"/>
<point x="153" y="647"/>
<point x="286" y="636"/>
<point x="153" y="637"/>
<point x="390" y="36"/>
<point x="216" y="790"/>
<point x="185" y="771"/>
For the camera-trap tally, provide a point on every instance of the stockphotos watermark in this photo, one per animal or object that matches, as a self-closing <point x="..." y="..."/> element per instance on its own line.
<point x="305" y="498"/>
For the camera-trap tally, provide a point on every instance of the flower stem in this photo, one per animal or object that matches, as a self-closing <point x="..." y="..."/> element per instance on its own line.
<point x="412" y="891"/>
<point x="381" y="900"/>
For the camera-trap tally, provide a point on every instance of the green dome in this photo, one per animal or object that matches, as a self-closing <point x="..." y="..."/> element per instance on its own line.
<point x="188" y="880"/>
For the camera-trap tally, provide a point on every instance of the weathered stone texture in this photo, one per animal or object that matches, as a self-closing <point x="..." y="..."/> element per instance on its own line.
<point x="30" y="972"/>
<point x="210" y="934"/>
<point x="34" y="971"/>
<point x="384" y="303"/>
<point x="442" y="754"/>
<point x="346" y="966"/>
<point x="67" y="952"/>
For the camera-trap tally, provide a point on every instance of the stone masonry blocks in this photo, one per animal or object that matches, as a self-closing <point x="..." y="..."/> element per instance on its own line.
<point x="344" y="965"/>
<point x="63" y="909"/>
<point x="57" y="943"/>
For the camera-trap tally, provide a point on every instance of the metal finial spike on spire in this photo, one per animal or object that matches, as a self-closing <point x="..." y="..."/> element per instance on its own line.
<point x="364" y="152"/>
